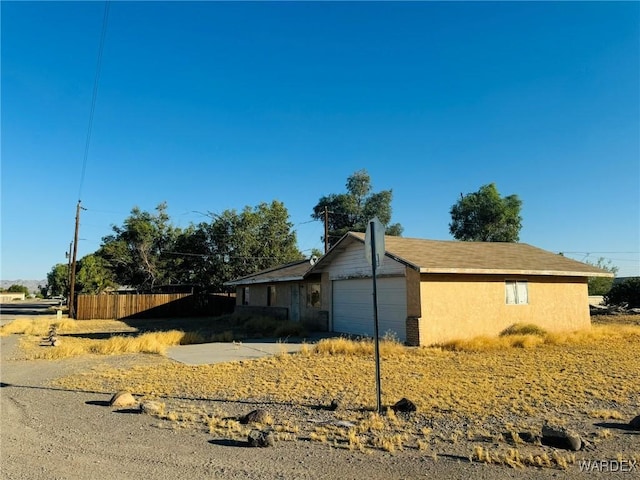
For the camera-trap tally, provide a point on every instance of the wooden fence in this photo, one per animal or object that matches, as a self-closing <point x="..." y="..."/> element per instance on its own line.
<point x="152" y="306"/>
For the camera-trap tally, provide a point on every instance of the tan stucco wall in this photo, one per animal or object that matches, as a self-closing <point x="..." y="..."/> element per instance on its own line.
<point x="466" y="306"/>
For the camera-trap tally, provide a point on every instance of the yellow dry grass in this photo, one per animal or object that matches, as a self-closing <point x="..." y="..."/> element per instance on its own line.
<point x="535" y="375"/>
<point x="40" y="326"/>
<point x="515" y="459"/>
<point x="122" y="339"/>
<point x="573" y="371"/>
<point x="153" y="342"/>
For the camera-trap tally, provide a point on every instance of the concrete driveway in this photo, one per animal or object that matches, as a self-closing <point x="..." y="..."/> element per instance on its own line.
<point x="221" y="352"/>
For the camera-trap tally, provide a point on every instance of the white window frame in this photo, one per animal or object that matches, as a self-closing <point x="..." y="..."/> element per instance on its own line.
<point x="516" y="292"/>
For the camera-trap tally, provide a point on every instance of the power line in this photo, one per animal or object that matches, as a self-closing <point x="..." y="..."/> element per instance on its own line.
<point x="84" y="163"/>
<point x="105" y="19"/>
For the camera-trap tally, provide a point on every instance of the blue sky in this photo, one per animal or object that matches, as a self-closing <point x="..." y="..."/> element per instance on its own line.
<point x="212" y="106"/>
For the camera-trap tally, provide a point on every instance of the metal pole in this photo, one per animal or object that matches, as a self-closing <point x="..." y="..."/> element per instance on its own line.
<point x="72" y="287"/>
<point x="374" y="262"/>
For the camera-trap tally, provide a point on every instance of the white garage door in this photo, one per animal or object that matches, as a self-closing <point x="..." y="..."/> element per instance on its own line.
<point x="353" y="306"/>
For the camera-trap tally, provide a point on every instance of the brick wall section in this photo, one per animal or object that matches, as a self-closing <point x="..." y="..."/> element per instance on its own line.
<point x="413" y="331"/>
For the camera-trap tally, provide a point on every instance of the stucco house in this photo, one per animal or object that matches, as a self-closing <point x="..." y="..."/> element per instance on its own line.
<point x="289" y="292"/>
<point x="429" y="291"/>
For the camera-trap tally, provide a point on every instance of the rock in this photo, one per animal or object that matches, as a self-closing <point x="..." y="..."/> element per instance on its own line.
<point x="404" y="405"/>
<point x="152" y="408"/>
<point x="122" y="399"/>
<point x="561" y="437"/>
<point x="335" y="405"/>
<point x="54" y="341"/>
<point x="255" y="416"/>
<point x="261" y="438"/>
<point x="635" y="423"/>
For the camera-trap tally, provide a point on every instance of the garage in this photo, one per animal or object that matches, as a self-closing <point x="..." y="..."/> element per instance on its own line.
<point x="353" y="306"/>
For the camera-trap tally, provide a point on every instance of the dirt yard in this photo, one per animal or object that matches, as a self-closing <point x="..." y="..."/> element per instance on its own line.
<point x="56" y="421"/>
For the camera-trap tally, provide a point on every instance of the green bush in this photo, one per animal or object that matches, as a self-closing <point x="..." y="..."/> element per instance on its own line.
<point x="627" y="292"/>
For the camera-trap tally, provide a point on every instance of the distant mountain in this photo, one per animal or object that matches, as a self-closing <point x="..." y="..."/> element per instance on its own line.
<point x="32" y="285"/>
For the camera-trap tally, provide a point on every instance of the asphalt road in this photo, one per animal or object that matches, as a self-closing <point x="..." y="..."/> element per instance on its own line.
<point x="27" y="308"/>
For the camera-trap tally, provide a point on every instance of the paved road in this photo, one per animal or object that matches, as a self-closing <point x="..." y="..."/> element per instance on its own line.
<point x="27" y="308"/>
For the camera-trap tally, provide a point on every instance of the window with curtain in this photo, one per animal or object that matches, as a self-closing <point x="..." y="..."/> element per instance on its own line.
<point x="517" y="292"/>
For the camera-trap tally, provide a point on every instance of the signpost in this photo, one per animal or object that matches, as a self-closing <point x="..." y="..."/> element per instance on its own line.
<point x="374" y="253"/>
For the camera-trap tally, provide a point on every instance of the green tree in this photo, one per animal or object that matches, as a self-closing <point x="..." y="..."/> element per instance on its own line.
<point x="626" y="292"/>
<point x="15" y="288"/>
<point x="601" y="285"/>
<point x="93" y="276"/>
<point x="58" y="280"/>
<point x="352" y="210"/>
<point x="485" y="216"/>
<point x="137" y="253"/>
<point x="236" y="244"/>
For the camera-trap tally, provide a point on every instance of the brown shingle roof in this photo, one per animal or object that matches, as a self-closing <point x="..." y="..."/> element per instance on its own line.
<point x="290" y="271"/>
<point x="440" y="256"/>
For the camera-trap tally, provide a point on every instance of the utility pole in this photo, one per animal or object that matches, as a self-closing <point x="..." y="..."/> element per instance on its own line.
<point x="72" y="287"/>
<point x="326" y="229"/>
<point x="68" y="255"/>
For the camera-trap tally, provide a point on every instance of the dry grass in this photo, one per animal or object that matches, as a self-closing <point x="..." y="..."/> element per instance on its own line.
<point x="514" y="338"/>
<point x="515" y="459"/>
<point x="153" y="342"/>
<point x="580" y="370"/>
<point x="40" y="326"/>
<point x="538" y="374"/>
<point x="117" y="337"/>
<point x="365" y="347"/>
<point x="606" y="414"/>
<point x="570" y="370"/>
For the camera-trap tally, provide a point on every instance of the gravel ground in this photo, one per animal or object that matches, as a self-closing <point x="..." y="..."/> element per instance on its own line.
<point x="49" y="433"/>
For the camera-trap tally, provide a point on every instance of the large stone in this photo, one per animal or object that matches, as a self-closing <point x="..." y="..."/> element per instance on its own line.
<point x="635" y="423"/>
<point x="261" y="438"/>
<point x="560" y="437"/>
<point x="122" y="398"/>
<point x="404" y="405"/>
<point x="255" y="416"/>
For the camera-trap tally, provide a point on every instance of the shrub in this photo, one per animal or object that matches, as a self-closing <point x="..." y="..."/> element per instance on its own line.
<point x="524" y="329"/>
<point x="627" y="292"/>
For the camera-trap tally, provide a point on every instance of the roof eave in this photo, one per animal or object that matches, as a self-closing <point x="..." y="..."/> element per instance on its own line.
<point x="250" y="281"/>
<point x="493" y="271"/>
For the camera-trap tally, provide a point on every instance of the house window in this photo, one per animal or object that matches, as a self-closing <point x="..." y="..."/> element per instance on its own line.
<point x="516" y="292"/>
<point x="313" y="295"/>
<point x="245" y="295"/>
<point x="271" y="295"/>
